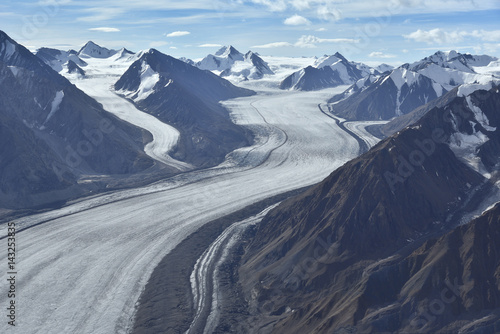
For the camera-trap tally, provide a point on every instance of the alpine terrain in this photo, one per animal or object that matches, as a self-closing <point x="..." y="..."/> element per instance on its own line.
<point x="247" y="192"/>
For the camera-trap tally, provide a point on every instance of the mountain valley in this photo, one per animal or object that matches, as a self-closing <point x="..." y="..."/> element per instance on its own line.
<point x="245" y="193"/>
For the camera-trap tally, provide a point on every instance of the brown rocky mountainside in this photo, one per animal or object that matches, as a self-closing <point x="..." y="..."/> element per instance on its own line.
<point x="366" y="250"/>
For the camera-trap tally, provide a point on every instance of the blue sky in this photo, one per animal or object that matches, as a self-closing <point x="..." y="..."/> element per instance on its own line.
<point x="374" y="31"/>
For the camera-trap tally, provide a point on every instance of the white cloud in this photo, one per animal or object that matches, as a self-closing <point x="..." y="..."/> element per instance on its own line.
<point x="273" y="45"/>
<point x="296" y="20"/>
<point x="156" y="44"/>
<point x="208" y="45"/>
<point x="309" y="41"/>
<point x="329" y="14"/>
<point x="178" y="34"/>
<point x="105" y="29"/>
<point x="321" y="29"/>
<point x="301" y="4"/>
<point x="378" y="54"/>
<point x="440" y="36"/>
<point x="53" y="2"/>
<point x="273" y="5"/>
<point x="100" y="14"/>
<point x="436" y="36"/>
<point x="487" y="36"/>
<point x="490" y="48"/>
<point x="173" y="47"/>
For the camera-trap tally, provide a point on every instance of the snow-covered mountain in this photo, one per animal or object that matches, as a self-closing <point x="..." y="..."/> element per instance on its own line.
<point x="61" y="60"/>
<point x="187" y="98"/>
<point x="312" y="78"/>
<point x="92" y="50"/>
<point x="450" y="69"/>
<point x="387" y="96"/>
<point x="188" y="61"/>
<point x="70" y="61"/>
<point x="410" y="86"/>
<point x="327" y="71"/>
<point x="384" y="68"/>
<point x="223" y="59"/>
<point x="251" y="67"/>
<point x="74" y="68"/>
<point x="453" y="60"/>
<point x="124" y="55"/>
<point x="56" y="137"/>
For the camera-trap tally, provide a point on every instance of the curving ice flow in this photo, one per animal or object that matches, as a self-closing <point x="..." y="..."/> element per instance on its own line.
<point x="359" y="128"/>
<point x="204" y="278"/>
<point x="81" y="268"/>
<point x="101" y="74"/>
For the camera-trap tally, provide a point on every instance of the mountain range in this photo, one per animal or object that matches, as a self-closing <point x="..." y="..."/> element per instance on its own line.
<point x="187" y="98"/>
<point x="59" y="60"/>
<point x="92" y="50"/>
<point x="61" y="143"/>
<point x="380" y="244"/>
<point x="66" y="145"/>
<point x="329" y="71"/>
<point x="404" y="238"/>
<point x="230" y="62"/>
<point x="410" y="86"/>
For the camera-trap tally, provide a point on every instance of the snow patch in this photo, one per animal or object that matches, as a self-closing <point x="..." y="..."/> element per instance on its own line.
<point x="343" y="73"/>
<point x="149" y="78"/>
<point x="468" y="89"/>
<point x="464" y="141"/>
<point x="493" y="68"/>
<point x="296" y="78"/>
<point x="14" y="70"/>
<point x="437" y="88"/>
<point x="479" y="114"/>
<point x="7" y="49"/>
<point x="400" y="76"/>
<point x="398" y="103"/>
<point x="37" y="103"/>
<point x="55" y="105"/>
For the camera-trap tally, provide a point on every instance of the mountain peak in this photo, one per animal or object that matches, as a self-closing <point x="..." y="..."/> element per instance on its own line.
<point x="330" y="60"/>
<point x="151" y="54"/>
<point x="448" y="55"/>
<point x="223" y="59"/>
<point x="4" y="36"/>
<point x="7" y="46"/>
<point x="452" y="60"/>
<point x="125" y="54"/>
<point x="152" y="51"/>
<point x="123" y="51"/>
<point x="93" y="50"/>
<point x="249" y="54"/>
<point x="338" y="55"/>
<point x="90" y="44"/>
<point x="226" y="51"/>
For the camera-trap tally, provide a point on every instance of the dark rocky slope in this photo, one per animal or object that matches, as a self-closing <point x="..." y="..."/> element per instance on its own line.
<point x="358" y="252"/>
<point x="188" y="99"/>
<point x="57" y="142"/>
